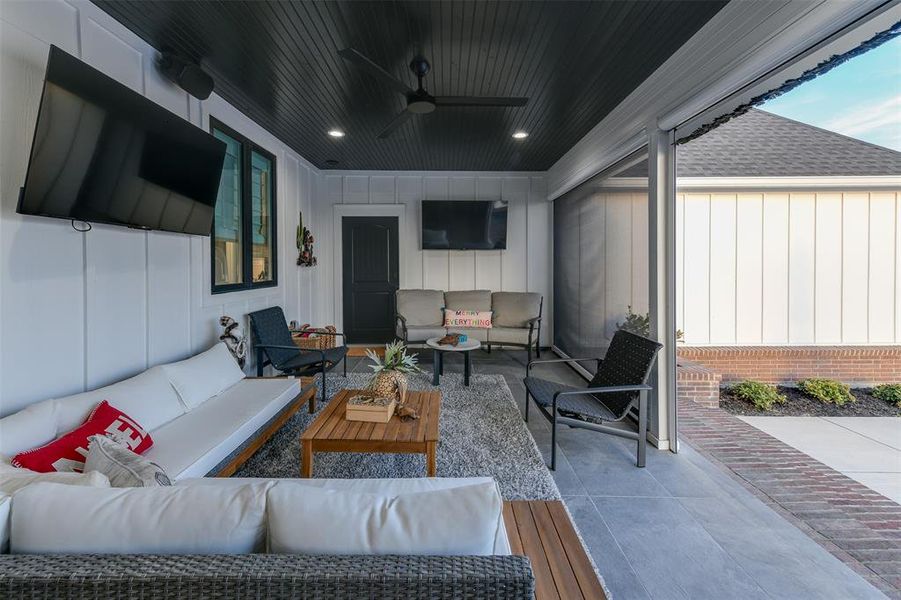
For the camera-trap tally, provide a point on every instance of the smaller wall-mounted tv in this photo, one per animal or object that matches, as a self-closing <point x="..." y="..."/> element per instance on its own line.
<point x="103" y="153"/>
<point x="464" y="225"/>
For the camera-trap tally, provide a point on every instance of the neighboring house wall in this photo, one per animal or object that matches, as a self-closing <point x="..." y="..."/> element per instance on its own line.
<point x="524" y="266"/>
<point x="80" y="310"/>
<point x="784" y="267"/>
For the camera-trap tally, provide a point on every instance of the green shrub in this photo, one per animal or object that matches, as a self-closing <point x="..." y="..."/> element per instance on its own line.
<point x="762" y="395"/>
<point x="888" y="392"/>
<point x="640" y="324"/>
<point x="827" y="390"/>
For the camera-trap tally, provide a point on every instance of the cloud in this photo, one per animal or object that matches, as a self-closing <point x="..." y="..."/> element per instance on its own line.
<point x="882" y="119"/>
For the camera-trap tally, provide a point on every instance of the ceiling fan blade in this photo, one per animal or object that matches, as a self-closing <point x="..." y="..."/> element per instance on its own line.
<point x="355" y="57"/>
<point x="393" y="125"/>
<point x="479" y="101"/>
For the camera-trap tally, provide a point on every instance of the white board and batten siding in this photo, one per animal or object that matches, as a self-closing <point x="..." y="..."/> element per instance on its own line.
<point x="789" y="267"/>
<point x="524" y="266"/>
<point x="81" y="310"/>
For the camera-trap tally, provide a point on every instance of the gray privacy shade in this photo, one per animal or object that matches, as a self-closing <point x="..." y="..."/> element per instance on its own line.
<point x="586" y="312"/>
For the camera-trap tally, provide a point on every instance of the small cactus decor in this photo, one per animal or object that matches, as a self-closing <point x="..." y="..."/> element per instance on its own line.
<point x="389" y="378"/>
<point x="305" y="241"/>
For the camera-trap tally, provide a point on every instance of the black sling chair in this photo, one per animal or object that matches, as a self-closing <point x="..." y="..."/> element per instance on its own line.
<point x="274" y="346"/>
<point x="620" y="383"/>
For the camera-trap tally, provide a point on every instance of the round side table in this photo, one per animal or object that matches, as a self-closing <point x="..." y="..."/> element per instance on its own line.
<point x="438" y="351"/>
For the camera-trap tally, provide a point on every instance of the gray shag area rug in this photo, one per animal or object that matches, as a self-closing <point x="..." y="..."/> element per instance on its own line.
<point x="482" y="434"/>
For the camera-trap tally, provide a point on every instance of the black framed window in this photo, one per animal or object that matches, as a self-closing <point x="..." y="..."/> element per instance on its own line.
<point x="243" y="242"/>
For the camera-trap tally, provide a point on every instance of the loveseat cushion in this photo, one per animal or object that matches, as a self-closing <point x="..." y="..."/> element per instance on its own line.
<point x="514" y="309"/>
<point x="421" y="334"/>
<point x="463" y="520"/>
<point x="509" y="335"/>
<point x="468" y="300"/>
<point x="193" y="444"/>
<point x="421" y="307"/>
<point x="5" y="505"/>
<point x="476" y="333"/>
<point x="199" y="378"/>
<point x="159" y="520"/>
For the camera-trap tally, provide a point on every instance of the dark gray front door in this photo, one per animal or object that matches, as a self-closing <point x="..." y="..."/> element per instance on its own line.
<point x="370" y="278"/>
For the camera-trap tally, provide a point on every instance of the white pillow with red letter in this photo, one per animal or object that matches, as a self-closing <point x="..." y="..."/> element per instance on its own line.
<point x="208" y="374"/>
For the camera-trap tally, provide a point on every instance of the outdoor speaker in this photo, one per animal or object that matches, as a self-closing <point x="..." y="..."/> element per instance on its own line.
<point x="188" y="76"/>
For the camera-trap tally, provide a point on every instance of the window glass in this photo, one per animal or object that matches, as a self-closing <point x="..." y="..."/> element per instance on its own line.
<point x="261" y="216"/>
<point x="227" y="231"/>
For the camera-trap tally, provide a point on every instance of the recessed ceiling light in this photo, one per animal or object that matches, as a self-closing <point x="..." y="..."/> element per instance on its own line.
<point x="520" y="135"/>
<point x="336" y="133"/>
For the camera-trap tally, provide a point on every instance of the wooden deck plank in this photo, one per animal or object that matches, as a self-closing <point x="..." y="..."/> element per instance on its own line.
<point x="319" y="422"/>
<point x="531" y="545"/>
<point x="578" y="558"/>
<point x="564" y="578"/>
<point x="432" y="427"/>
<point x="512" y="530"/>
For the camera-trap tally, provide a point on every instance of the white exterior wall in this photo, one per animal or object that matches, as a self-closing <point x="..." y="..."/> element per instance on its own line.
<point x="524" y="266"/>
<point x="80" y="310"/>
<point x="789" y="267"/>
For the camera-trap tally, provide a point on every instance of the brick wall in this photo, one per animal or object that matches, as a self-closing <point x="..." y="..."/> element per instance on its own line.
<point x="781" y="364"/>
<point x="697" y="383"/>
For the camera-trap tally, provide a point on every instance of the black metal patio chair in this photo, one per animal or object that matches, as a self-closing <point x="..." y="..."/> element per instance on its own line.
<point x="619" y="384"/>
<point x="274" y="346"/>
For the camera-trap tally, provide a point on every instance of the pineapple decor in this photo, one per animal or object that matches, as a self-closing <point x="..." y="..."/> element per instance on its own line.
<point x="390" y="374"/>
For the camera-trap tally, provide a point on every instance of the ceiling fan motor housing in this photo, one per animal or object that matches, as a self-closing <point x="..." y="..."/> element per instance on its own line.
<point x="420" y="102"/>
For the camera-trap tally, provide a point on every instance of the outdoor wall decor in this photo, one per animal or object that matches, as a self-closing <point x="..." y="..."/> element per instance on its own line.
<point x="234" y="338"/>
<point x="305" y="241"/>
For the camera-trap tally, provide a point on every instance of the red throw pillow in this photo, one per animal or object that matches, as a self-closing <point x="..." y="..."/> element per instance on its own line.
<point x="68" y="453"/>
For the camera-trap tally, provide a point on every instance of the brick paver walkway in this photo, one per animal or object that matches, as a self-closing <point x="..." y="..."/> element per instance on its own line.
<point x="859" y="526"/>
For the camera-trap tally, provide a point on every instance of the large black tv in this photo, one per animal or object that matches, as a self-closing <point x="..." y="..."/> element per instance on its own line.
<point x="464" y="225"/>
<point x="103" y="153"/>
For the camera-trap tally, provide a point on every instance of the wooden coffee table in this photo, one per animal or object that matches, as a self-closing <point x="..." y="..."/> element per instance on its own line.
<point x="331" y="432"/>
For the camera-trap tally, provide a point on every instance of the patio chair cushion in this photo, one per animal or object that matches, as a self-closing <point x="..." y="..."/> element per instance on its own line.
<point x="579" y="406"/>
<point x="514" y="309"/>
<point x="306" y="359"/>
<point x="421" y="307"/>
<point x="474" y="333"/>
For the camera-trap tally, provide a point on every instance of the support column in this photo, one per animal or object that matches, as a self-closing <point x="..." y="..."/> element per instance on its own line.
<point x="662" y="285"/>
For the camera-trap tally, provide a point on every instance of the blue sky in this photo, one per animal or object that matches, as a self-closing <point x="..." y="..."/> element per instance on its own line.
<point x="860" y="99"/>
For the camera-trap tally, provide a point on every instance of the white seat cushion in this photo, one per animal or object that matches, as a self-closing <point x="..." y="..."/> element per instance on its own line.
<point x="33" y="426"/>
<point x="193" y="444"/>
<point x="480" y="333"/>
<point x="158" y="520"/>
<point x="199" y="378"/>
<point x="421" y="334"/>
<point x="460" y="520"/>
<point x="5" y="504"/>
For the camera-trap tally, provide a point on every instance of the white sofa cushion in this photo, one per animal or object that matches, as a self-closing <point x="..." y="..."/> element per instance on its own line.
<point x="463" y="520"/>
<point x="208" y="374"/>
<point x="12" y="479"/>
<point x="421" y="308"/>
<point x="193" y="444"/>
<point x="148" y="398"/>
<point x="49" y="518"/>
<point x="5" y="504"/>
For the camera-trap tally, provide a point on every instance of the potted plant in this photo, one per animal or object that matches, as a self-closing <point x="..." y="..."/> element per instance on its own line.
<point x="389" y="378"/>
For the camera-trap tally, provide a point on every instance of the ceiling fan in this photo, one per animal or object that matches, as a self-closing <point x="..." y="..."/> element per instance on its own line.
<point x="420" y="101"/>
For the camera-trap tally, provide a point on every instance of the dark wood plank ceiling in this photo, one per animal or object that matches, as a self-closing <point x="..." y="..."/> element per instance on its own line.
<point x="278" y="63"/>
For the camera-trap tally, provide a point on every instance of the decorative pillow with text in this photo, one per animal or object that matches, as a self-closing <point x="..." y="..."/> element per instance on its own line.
<point x="68" y="452"/>
<point x="467" y="318"/>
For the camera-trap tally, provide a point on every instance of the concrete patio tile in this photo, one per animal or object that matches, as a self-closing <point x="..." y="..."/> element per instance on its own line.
<point x="673" y="555"/>
<point x="619" y="576"/>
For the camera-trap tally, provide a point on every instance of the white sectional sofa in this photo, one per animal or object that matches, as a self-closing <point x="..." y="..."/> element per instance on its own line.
<point x="198" y="412"/>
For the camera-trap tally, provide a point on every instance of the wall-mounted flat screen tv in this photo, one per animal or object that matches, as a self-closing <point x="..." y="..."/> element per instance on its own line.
<point x="464" y="225"/>
<point x="103" y="153"/>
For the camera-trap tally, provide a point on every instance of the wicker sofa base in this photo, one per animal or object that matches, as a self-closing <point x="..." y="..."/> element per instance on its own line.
<point x="98" y="576"/>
